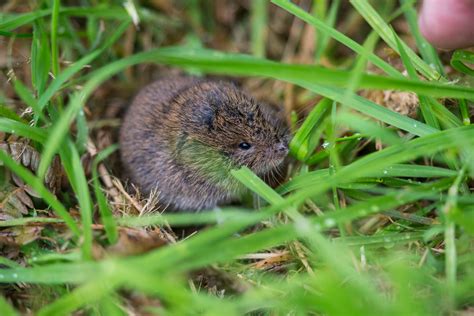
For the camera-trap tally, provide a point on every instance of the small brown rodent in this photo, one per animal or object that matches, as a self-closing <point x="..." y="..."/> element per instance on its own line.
<point x="183" y="135"/>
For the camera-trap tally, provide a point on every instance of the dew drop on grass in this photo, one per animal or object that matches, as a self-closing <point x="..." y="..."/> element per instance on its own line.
<point x="374" y="208"/>
<point x="385" y="172"/>
<point x="326" y="144"/>
<point x="1" y="276"/>
<point x="303" y="226"/>
<point x="329" y="222"/>
<point x="415" y="125"/>
<point x="14" y="275"/>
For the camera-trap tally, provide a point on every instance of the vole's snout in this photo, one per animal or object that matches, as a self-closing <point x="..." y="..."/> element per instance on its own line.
<point x="281" y="148"/>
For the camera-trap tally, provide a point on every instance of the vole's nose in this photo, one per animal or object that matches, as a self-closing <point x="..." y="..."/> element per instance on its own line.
<point x="281" y="147"/>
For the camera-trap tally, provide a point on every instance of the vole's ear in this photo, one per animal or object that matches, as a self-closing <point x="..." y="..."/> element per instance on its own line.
<point x="206" y="116"/>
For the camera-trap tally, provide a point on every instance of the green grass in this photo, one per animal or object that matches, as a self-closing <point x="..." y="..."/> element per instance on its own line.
<point x="376" y="214"/>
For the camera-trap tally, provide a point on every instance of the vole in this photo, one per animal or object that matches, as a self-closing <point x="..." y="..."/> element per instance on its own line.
<point x="182" y="136"/>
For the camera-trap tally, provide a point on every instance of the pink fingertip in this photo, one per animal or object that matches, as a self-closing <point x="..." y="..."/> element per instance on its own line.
<point x="448" y="24"/>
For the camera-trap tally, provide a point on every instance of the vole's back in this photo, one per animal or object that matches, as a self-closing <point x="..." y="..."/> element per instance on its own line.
<point x="147" y="144"/>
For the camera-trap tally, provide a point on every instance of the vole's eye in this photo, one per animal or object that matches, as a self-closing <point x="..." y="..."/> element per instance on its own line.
<point x="244" y="146"/>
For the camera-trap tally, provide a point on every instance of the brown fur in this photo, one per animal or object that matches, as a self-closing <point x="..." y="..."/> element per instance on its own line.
<point x="181" y="137"/>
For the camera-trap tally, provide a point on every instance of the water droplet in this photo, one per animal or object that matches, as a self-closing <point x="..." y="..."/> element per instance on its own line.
<point x="374" y="208"/>
<point x="326" y="144"/>
<point x="2" y="276"/>
<point x="14" y="275"/>
<point x="303" y="226"/>
<point x="385" y="172"/>
<point x="415" y="125"/>
<point x="329" y="222"/>
<point x="12" y="131"/>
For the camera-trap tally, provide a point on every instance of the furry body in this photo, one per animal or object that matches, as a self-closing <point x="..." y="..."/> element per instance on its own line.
<point x="181" y="136"/>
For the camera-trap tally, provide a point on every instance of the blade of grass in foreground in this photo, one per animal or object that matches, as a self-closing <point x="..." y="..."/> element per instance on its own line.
<point x="241" y="64"/>
<point x="382" y="239"/>
<point x="189" y="219"/>
<point x="27" y="220"/>
<point x="83" y="196"/>
<point x="258" y="186"/>
<point x="396" y="170"/>
<point x="300" y="145"/>
<point x="89" y="292"/>
<point x="450" y="237"/>
<point x="459" y="60"/>
<point x="104" y="209"/>
<point x="5" y="308"/>
<point x="368" y="127"/>
<point x="21" y="129"/>
<point x="425" y="107"/>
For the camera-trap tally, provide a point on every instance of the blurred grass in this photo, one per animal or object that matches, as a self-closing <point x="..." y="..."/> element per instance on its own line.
<point x="333" y="203"/>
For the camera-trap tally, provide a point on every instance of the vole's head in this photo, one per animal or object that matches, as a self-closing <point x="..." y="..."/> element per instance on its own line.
<point x="245" y="132"/>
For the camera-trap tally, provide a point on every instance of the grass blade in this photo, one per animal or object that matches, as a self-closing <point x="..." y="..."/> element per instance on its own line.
<point x="427" y="51"/>
<point x="24" y="130"/>
<point x="104" y="209"/>
<point x="85" y="204"/>
<point x="459" y="60"/>
<point x="259" y="23"/>
<point x="425" y="107"/>
<point x="40" y="58"/>
<point x="301" y="146"/>
<point x="54" y="37"/>
<point x="6" y="309"/>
